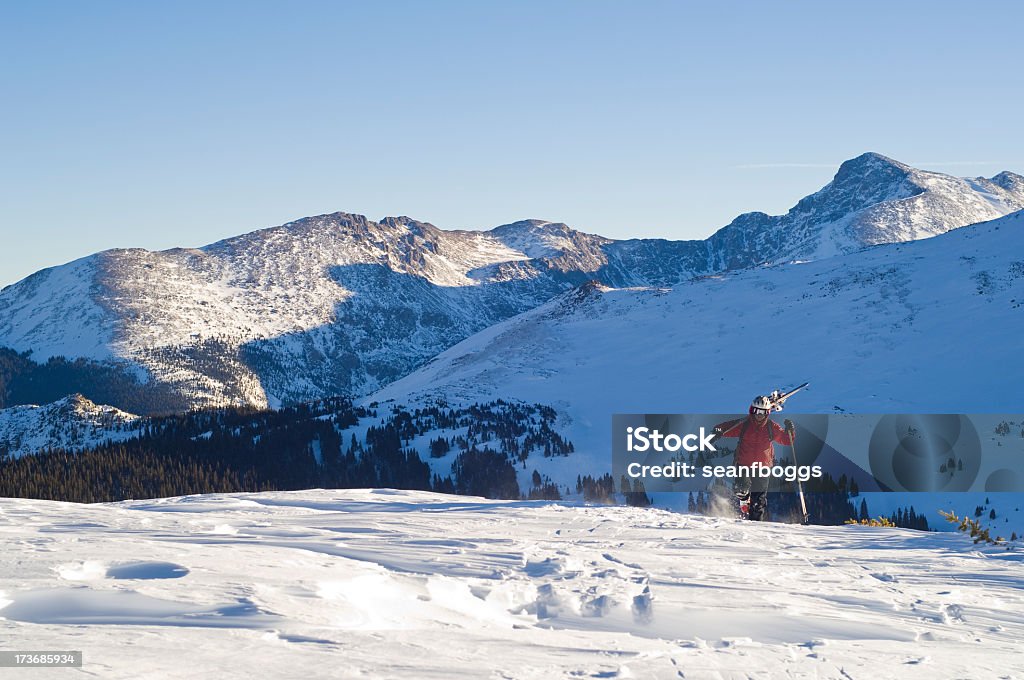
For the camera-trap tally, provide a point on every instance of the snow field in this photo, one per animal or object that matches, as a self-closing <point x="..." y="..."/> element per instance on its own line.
<point x="395" y="584"/>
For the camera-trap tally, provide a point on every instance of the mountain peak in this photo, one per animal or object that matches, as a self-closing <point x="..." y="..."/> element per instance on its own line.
<point x="532" y="225"/>
<point x="343" y="218"/>
<point x="535" y="238"/>
<point x="872" y="199"/>
<point x="872" y="165"/>
<point x="403" y="221"/>
<point x="1010" y="181"/>
<point x="78" y="401"/>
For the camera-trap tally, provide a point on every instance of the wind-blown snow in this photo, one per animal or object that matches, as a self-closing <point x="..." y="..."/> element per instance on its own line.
<point x="391" y="584"/>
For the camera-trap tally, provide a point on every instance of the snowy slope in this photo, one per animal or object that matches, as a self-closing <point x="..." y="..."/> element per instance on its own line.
<point x="885" y="330"/>
<point x="338" y="304"/>
<point x="932" y="326"/>
<point x="389" y="584"/>
<point x="72" y="424"/>
<point x="55" y="312"/>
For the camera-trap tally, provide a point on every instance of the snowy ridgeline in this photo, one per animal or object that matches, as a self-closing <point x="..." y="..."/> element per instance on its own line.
<point x="394" y="584"/>
<point x="72" y="423"/>
<point x="339" y="304"/>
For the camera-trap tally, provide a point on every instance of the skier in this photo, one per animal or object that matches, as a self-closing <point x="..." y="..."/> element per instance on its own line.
<point x="757" y="432"/>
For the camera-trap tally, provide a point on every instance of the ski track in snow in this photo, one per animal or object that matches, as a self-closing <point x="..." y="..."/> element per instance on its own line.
<point x="397" y="584"/>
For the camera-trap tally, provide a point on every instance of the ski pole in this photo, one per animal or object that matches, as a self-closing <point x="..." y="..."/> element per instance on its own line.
<point x="799" y="486"/>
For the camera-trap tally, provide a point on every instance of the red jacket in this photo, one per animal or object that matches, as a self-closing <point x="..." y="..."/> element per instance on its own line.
<point x="755" y="444"/>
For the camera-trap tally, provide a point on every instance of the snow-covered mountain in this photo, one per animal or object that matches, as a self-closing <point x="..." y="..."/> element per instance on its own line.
<point x="328" y="305"/>
<point x="871" y="200"/>
<point x="932" y="326"/>
<point x="72" y="424"/>
<point x="413" y="585"/>
<point x="929" y="326"/>
<point x="338" y="304"/>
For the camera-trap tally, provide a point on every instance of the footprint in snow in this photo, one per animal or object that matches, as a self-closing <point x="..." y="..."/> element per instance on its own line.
<point x="146" y="570"/>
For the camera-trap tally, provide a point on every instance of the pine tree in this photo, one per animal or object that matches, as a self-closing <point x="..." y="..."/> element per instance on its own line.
<point x="639" y="498"/>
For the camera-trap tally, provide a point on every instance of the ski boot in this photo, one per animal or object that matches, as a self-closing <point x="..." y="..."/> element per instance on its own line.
<point x="744" y="503"/>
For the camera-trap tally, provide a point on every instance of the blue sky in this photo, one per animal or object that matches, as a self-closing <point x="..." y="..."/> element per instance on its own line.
<point x="176" y="124"/>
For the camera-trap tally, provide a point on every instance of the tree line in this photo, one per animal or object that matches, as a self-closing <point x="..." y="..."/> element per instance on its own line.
<point x="310" y="445"/>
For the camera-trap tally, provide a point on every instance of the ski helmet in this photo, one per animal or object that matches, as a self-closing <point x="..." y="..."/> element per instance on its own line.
<point x="761" y="404"/>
